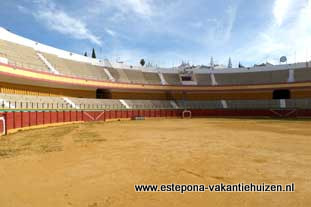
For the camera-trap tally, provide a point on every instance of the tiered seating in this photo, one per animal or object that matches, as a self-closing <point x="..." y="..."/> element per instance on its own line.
<point x="149" y="104"/>
<point x="119" y="75"/>
<point x="14" y="101"/>
<point x="75" y="68"/>
<point x="32" y="102"/>
<point x="203" y="79"/>
<point x="85" y="103"/>
<point x="280" y="76"/>
<point x="161" y="104"/>
<point x="21" y="56"/>
<point x="298" y="104"/>
<point x="172" y="78"/>
<point x="135" y="76"/>
<point x="152" y="78"/>
<point x="303" y="74"/>
<point x="253" y="104"/>
<point x="26" y="57"/>
<point x="200" y="104"/>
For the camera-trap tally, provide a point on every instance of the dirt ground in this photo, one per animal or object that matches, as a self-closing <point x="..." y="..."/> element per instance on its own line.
<point x="97" y="164"/>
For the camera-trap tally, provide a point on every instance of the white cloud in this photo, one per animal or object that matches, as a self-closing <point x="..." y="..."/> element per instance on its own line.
<point x="280" y="10"/>
<point x="136" y="26"/>
<point x="58" y="20"/>
<point x="197" y="24"/>
<point x="288" y="35"/>
<point x="22" y="9"/>
<point x="219" y="31"/>
<point x="111" y="32"/>
<point x="141" y="8"/>
<point x="231" y="12"/>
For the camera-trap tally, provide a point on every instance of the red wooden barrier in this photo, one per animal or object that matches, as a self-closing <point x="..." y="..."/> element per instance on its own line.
<point x="147" y="113"/>
<point x="130" y="114"/>
<point x="79" y="115"/>
<point x="32" y="118"/>
<point x="26" y="119"/>
<point x="124" y="114"/>
<point x="157" y="113"/>
<point x="60" y="116"/>
<point x="163" y="113"/>
<point x="87" y="116"/>
<point x="142" y="112"/>
<point x="303" y="113"/>
<point x="135" y="113"/>
<point x="151" y="113"/>
<point x="46" y="117"/>
<point x="120" y="114"/>
<point x="66" y="116"/>
<point x="107" y="115"/>
<point x="14" y="120"/>
<point x="2" y="123"/>
<point x="73" y="116"/>
<point x="54" y="116"/>
<point x="113" y="115"/>
<point x="39" y="118"/>
<point x="101" y="116"/>
<point x="17" y="119"/>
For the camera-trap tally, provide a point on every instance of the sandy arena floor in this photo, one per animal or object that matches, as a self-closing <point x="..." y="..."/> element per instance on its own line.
<point x="97" y="164"/>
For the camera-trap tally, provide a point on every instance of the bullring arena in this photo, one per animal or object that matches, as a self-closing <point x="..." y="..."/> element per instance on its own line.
<point x="83" y="132"/>
<point x="97" y="164"/>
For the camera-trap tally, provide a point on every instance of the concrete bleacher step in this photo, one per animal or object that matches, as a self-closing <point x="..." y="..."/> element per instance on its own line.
<point x="163" y="81"/>
<point x="174" y="104"/>
<point x="111" y="78"/>
<point x="214" y="82"/>
<point x="71" y="103"/>
<point x="48" y="64"/>
<point x="291" y="76"/>
<point x="123" y="102"/>
<point x="22" y="56"/>
<point x="224" y="104"/>
<point x="172" y="78"/>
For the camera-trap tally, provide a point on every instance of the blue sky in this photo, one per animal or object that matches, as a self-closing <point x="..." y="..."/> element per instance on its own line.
<point x="166" y="32"/>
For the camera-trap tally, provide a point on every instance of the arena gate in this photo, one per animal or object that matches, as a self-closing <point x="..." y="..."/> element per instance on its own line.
<point x="2" y="124"/>
<point x="186" y="114"/>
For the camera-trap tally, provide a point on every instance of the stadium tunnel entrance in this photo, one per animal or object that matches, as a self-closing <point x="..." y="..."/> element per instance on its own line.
<point x="103" y="94"/>
<point x="282" y="94"/>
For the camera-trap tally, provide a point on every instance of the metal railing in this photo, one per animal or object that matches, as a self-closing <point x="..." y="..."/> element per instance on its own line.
<point x="66" y="106"/>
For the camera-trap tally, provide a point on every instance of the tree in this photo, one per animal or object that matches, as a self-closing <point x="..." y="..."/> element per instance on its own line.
<point x="142" y="62"/>
<point x="85" y="54"/>
<point x="240" y="65"/>
<point x="93" y="54"/>
<point x="229" y="63"/>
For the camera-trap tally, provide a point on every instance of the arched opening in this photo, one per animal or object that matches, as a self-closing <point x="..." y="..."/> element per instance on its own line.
<point x="103" y="94"/>
<point x="282" y="94"/>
